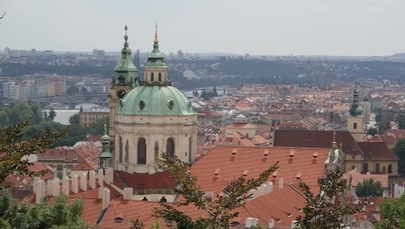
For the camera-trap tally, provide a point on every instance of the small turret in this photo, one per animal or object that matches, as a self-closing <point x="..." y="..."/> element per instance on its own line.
<point x="155" y="70"/>
<point x="105" y="156"/>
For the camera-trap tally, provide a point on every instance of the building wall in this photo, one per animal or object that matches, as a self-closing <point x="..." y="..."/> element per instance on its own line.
<point x="87" y="118"/>
<point x="154" y="129"/>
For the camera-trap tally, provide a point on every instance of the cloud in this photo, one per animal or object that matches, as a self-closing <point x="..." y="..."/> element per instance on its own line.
<point x="374" y="9"/>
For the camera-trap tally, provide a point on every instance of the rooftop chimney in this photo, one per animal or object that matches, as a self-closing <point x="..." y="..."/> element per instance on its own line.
<point x="92" y="179"/>
<point x="216" y="172"/>
<point x="109" y="175"/>
<point x="40" y="191"/>
<point x="233" y="153"/>
<point x="56" y="187"/>
<point x="65" y="185"/>
<point x="291" y="156"/>
<point x="251" y="222"/>
<point x="245" y="173"/>
<point x="128" y="193"/>
<point x="49" y="187"/>
<point x="280" y="183"/>
<point x="75" y="184"/>
<point x="100" y="177"/>
<point x="106" y="198"/>
<point x="83" y="181"/>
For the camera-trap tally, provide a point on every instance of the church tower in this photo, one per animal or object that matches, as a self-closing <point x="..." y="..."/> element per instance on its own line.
<point x="125" y="79"/>
<point x="355" y="121"/>
<point x="151" y="118"/>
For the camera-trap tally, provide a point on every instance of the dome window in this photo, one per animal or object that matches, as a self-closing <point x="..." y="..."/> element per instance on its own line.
<point x="142" y="104"/>
<point x="170" y="104"/>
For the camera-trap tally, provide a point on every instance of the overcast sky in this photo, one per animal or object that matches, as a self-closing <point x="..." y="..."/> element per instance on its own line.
<point x="258" y="27"/>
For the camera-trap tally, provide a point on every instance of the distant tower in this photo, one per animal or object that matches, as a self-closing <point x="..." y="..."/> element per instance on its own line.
<point x="335" y="157"/>
<point x="355" y="121"/>
<point x="125" y="79"/>
<point x="137" y="59"/>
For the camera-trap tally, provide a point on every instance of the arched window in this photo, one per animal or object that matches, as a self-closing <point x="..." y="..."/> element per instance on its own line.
<point x="189" y="150"/>
<point x="142" y="151"/>
<point x="160" y="76"/>
<point x="120" y="149"/>
<point x="126" y="152"/>
<point x="389" y="168"/>
<point x="355" y="125"/>
<point x="152" y="77"/>
<point x="170" y="146"/>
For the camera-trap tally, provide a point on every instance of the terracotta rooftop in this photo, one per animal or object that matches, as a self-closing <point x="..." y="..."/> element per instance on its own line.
<point x="252" y="159"/>
<point x="358" y="178"/>
<point x="316" y="139"/>
<point x="377" y="151"/>
<point x="159" y="180"/>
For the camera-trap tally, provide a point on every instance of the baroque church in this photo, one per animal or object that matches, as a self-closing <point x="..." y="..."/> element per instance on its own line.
<point x="148" y="115"/>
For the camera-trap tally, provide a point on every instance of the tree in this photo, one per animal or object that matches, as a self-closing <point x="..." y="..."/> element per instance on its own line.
<point x="401" y="121"/>
<point x="369" y="187"/>
<point x="393" y="211"/>
<point x="326" y="209"/>
<point x="220" y="209"/>
<point x="52" y="114"/>
<point x="372" y="131"/>
<point x="58" y="215"/>
<point x="74" y="119"/>
<point x="14" y="149"/>
<point x="400" y="152"/>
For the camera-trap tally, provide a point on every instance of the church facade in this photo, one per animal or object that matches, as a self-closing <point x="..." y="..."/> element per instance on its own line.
<point x="148" y="116"/>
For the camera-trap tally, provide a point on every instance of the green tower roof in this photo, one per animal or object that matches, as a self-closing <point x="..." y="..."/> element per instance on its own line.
<point x="125" y="63"/>
<point x="156" y="58"/>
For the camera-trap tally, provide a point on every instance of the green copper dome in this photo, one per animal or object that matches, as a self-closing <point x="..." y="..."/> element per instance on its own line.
<point x="155" y="100"/>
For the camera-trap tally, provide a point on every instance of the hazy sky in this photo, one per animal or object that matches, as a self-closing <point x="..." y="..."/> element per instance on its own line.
<point x="259" y="27"/>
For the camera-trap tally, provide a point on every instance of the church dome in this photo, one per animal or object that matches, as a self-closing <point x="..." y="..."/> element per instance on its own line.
<point x="155" y="100"/>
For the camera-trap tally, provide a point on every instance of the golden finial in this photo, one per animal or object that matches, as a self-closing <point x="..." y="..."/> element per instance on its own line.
<point x="156" y="36"/>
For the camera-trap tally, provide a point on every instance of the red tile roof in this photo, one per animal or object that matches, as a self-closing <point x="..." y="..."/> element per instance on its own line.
<point x="251" y="159"/>
<point x="159" y="180"/>
<point x="377" y="151"/>
<point x="316" y="138"/>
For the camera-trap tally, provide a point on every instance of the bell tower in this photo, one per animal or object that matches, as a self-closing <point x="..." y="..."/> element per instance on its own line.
<point x="355" y="121"/>
<point x="125" y="78"/>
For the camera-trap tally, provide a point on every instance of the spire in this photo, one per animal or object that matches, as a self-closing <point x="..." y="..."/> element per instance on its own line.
<point x="156" y="41"/>
<point x="126" y="37"/>
<point x="334" y="145"/>
<point x="125" y="71"/>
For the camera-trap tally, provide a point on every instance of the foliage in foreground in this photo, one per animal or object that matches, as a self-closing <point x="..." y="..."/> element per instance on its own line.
<point x="326" y="210"/>
<point x="400" y="152"/>
<point x="58" y="215"/>
<point x="13" y="149"/>
<point x="219" y="209"/>
<point x="393" y="211"/>
<point x="369" y="187"/>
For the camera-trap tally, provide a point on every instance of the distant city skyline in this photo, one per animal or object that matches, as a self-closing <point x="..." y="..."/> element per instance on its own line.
<point x="257" y="27"/>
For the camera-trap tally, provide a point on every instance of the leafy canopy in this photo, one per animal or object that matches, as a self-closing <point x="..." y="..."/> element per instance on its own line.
<point x="58" y="215"/>
<point x="13" y="149"/>
<point x="393" y="211"/>
<point x="326" y="209"/>
<point x="369" y="187"/>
